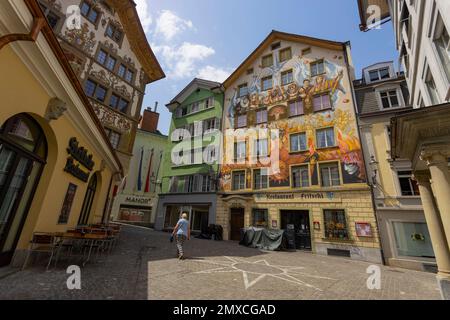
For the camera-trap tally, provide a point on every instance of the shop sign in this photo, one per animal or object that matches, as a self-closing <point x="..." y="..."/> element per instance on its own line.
<point x="138" y="200"/>
<point x="78" y="158"/>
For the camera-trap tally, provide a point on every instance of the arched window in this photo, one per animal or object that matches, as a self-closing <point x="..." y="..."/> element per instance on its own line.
<point x="88" y="201"/>
<point x="23" y="152"/>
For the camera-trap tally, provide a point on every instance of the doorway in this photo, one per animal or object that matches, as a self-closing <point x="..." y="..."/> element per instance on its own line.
<point x="23" y="152"/>
<point x="299" y="219"/>
<point x="88" y="201"/>
<point x="199" y="219"/>
<point x="236" y="223"/>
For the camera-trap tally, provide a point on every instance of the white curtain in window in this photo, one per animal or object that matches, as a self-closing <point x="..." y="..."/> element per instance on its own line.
<point x="198" y="128"/>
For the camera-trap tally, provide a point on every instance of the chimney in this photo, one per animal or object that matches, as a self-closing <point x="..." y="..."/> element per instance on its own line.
<point x="149" y="121"/>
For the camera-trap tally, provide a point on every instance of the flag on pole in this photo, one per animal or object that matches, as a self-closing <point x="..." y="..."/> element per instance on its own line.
<point x="123" y="184"/>
<point x="139" y="179"/>
<point x="147" y="182"/>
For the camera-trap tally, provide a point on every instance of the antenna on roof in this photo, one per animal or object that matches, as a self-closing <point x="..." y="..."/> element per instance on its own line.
<point x="156" y="106"/>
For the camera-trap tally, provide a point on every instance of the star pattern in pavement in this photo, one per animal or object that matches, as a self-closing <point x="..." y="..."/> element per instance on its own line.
<point x="254" y="272"/>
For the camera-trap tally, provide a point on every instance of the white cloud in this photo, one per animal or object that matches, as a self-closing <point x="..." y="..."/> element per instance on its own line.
<point x="214" y="74"/>
<point x="182" y="61"/>
<point x="168" y="24"/>
<point x="144" y="14"/>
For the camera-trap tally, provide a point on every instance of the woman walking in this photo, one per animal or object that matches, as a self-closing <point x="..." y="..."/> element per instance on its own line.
<point x="182" y="232"/>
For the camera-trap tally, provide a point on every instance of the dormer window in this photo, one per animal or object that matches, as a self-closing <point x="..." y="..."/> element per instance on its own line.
<point x="379" y="74"/>
<point x="389" y="99"/>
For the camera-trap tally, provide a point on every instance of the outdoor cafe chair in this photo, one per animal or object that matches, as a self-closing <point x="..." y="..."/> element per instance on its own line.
<point x="41" y="243"/>
<point x="97" y="245"/>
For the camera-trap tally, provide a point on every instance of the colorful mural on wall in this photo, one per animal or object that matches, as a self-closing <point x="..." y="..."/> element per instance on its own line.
<point x="276" y="100"/>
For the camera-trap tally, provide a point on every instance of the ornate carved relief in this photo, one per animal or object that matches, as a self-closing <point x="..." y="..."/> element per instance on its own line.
<point x="142" y="78"/>
<point x="55" y="109"/>
<point x="112" y="119"/>
<point x="115" y="23"/>
<point x="102" y="77"/>
<point x="55" y="5"/>
<point x="77" y="63"/>
<point x="122" y="90"/>
<point x="129" y="60"/>
<point x="110" y="46"/>
<point x="82" y="38"/>
<point x="109" y="79"/>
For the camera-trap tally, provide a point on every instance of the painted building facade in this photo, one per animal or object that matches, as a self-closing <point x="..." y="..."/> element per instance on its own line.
<point x="56" y="162"/>
<point x="299" y="89"/>
<point x="112" y="59"/>
<point x="190" y="175"/>
<point x="380" y="94"/>
<point x="137" y="199"/>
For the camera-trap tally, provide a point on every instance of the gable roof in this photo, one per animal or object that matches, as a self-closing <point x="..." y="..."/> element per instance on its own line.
<point x="190" y="88"/>
<point x="126" y="9"/>
<point x="378" y="64"/>
<point x="278" y="35"/>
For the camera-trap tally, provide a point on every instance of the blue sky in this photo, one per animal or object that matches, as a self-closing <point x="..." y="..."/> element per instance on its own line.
<point x="210" y="38"/>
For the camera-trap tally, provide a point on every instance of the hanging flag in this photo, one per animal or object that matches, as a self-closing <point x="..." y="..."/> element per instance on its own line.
<point x="147" y="182"/>
<point x="157" y="170"/>
<point x="139" y="180"/>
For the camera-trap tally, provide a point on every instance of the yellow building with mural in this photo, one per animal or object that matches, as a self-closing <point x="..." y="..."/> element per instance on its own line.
<point x="57" y="164"/>
<point x="301" y="167"/>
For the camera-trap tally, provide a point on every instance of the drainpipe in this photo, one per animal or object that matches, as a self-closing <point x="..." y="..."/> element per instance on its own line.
<point x="346" y="46"/>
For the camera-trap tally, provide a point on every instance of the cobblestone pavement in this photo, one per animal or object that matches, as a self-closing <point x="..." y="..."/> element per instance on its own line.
<point x="144" y="266"/>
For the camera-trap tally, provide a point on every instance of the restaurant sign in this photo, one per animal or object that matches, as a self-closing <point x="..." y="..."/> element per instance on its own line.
<point x="300" y="197"/>
<point x="79" y="161"/>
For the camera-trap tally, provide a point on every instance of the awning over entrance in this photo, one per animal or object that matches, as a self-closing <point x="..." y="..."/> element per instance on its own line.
<point x="415" y="130"/>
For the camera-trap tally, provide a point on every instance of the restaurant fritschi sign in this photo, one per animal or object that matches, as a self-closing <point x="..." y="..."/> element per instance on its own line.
<point x="304" y="196"/>
<point x="78" y="156"/>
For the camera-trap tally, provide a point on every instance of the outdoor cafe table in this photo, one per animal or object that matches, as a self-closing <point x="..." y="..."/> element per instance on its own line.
<point x="91" y="239"/>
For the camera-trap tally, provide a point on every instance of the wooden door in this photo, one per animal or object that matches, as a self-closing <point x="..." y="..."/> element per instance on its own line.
<point x="236" y="223"/>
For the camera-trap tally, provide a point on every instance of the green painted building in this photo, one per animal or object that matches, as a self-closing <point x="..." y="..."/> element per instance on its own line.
<point x="190" y="173"/>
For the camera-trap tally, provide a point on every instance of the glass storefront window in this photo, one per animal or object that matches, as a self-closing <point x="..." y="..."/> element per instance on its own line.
<point x="335" y="224"/>
<point x="199" y="219"/>
<point x="260" y="218"/>
<point x="412" y="239"/>
<point x="135" y="214"/>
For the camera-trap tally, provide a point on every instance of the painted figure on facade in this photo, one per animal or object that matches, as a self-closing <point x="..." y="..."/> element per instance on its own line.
<point x="306" y="93"/>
